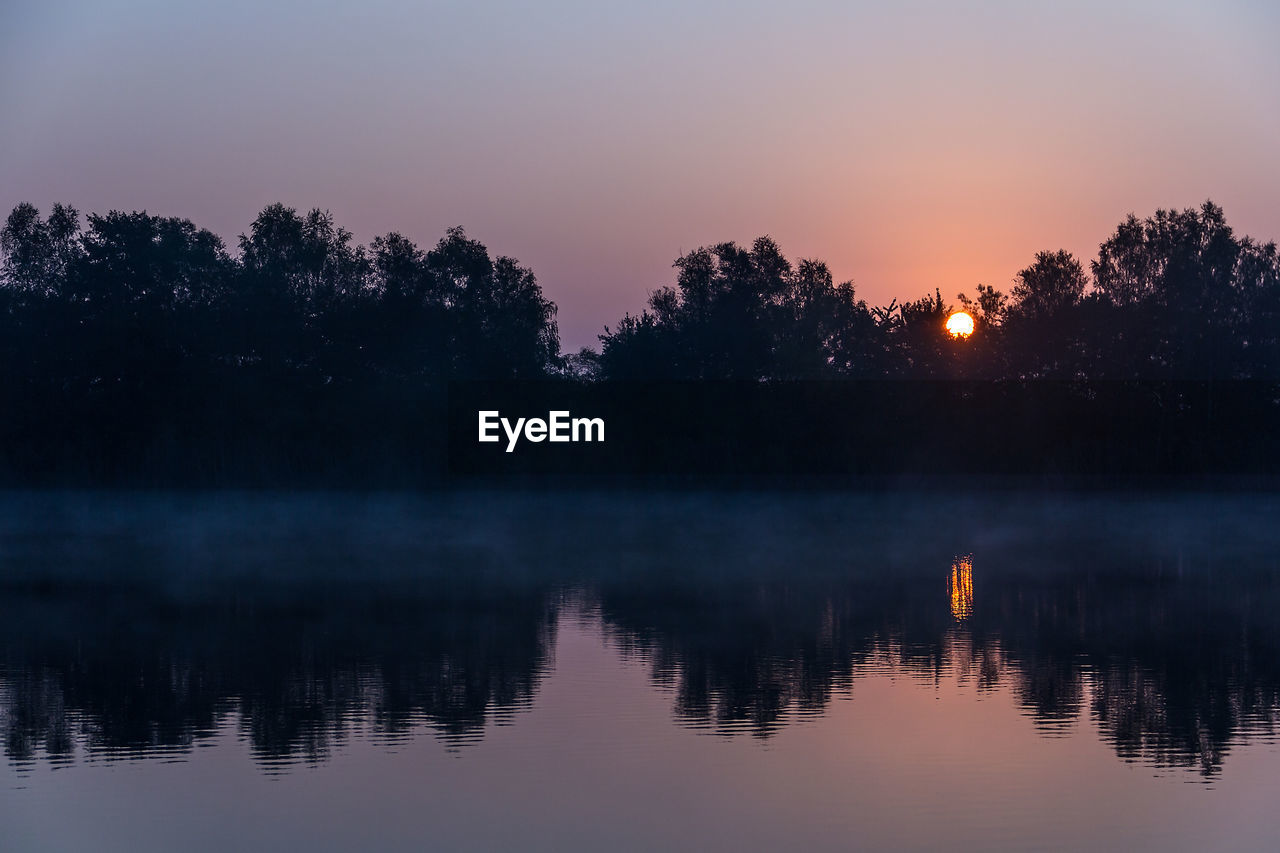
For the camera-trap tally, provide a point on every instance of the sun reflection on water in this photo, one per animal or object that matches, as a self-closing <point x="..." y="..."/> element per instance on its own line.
<point x="960" y="587"/>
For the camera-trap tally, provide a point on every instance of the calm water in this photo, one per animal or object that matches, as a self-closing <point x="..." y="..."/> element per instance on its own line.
<point x="639" y="672"/>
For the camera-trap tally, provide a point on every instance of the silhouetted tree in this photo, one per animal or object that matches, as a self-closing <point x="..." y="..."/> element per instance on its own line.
<point x="301" y="276"/>
<point x="409" y="332"/>
<point x="988" y="309"/>
<point x="583" y="365"/>
<point x="38" y="253"/>
<point x="36" y="256"/>
<point x="141" y="291"/>
<point x="1043" y="322"/>
<point x="740" y="313"/>
<point x="1054" y="283"/>
<point x="1176" y="278"/>
<point x="1256" y="320"/>
<point x="503" y="327"/>
<point x="918" y="338"/>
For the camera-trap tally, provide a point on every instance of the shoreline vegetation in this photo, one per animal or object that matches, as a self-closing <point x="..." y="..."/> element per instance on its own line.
<point x="138" y="350"/>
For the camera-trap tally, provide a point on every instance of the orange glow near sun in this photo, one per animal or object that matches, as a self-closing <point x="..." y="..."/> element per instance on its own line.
<point x="960" y="325"/>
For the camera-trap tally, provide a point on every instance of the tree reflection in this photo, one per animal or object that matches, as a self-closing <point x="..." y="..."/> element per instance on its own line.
<point x="297" y="669"/>
<point x="1172" y="670"/>
<point x="753" y="614"/>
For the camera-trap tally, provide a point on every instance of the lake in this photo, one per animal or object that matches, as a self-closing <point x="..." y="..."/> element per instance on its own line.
<point x="640" y="670"/>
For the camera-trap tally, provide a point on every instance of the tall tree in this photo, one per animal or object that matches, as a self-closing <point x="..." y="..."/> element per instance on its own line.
<point x="1056" y="282"/>
<point x="141" y="290"/>
<point x="302" y="276"/>
<point x="37" y="253"/>
<point x="502" y="327"/>
<point x="1043" y="334"/>
<point x="1181" y="271"/>
<point x="738" y="313"/>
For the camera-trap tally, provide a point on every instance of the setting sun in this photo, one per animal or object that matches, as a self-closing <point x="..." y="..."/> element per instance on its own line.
<point x="960" y="325"/>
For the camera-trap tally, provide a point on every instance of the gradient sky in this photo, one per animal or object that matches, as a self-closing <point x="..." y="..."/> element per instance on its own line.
<point x="911" y="145"/>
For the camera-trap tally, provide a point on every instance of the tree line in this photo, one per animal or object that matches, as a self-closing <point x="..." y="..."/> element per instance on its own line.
<point x="127" y="298"/>
<point x="1174" y="296"/>
<point x="139" y="348"/>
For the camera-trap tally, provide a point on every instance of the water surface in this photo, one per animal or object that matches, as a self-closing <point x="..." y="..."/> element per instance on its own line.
<point x="639" y="671"/>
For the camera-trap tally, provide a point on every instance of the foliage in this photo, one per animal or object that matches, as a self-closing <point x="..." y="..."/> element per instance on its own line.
<point x="738" y="313"/>
<point x="133" y="296"/>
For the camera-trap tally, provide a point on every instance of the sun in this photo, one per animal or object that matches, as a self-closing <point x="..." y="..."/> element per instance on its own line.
<point x="960" y="325"/>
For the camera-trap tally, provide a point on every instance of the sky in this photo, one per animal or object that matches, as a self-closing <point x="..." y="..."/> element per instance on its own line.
<point x="912" y="145"/>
